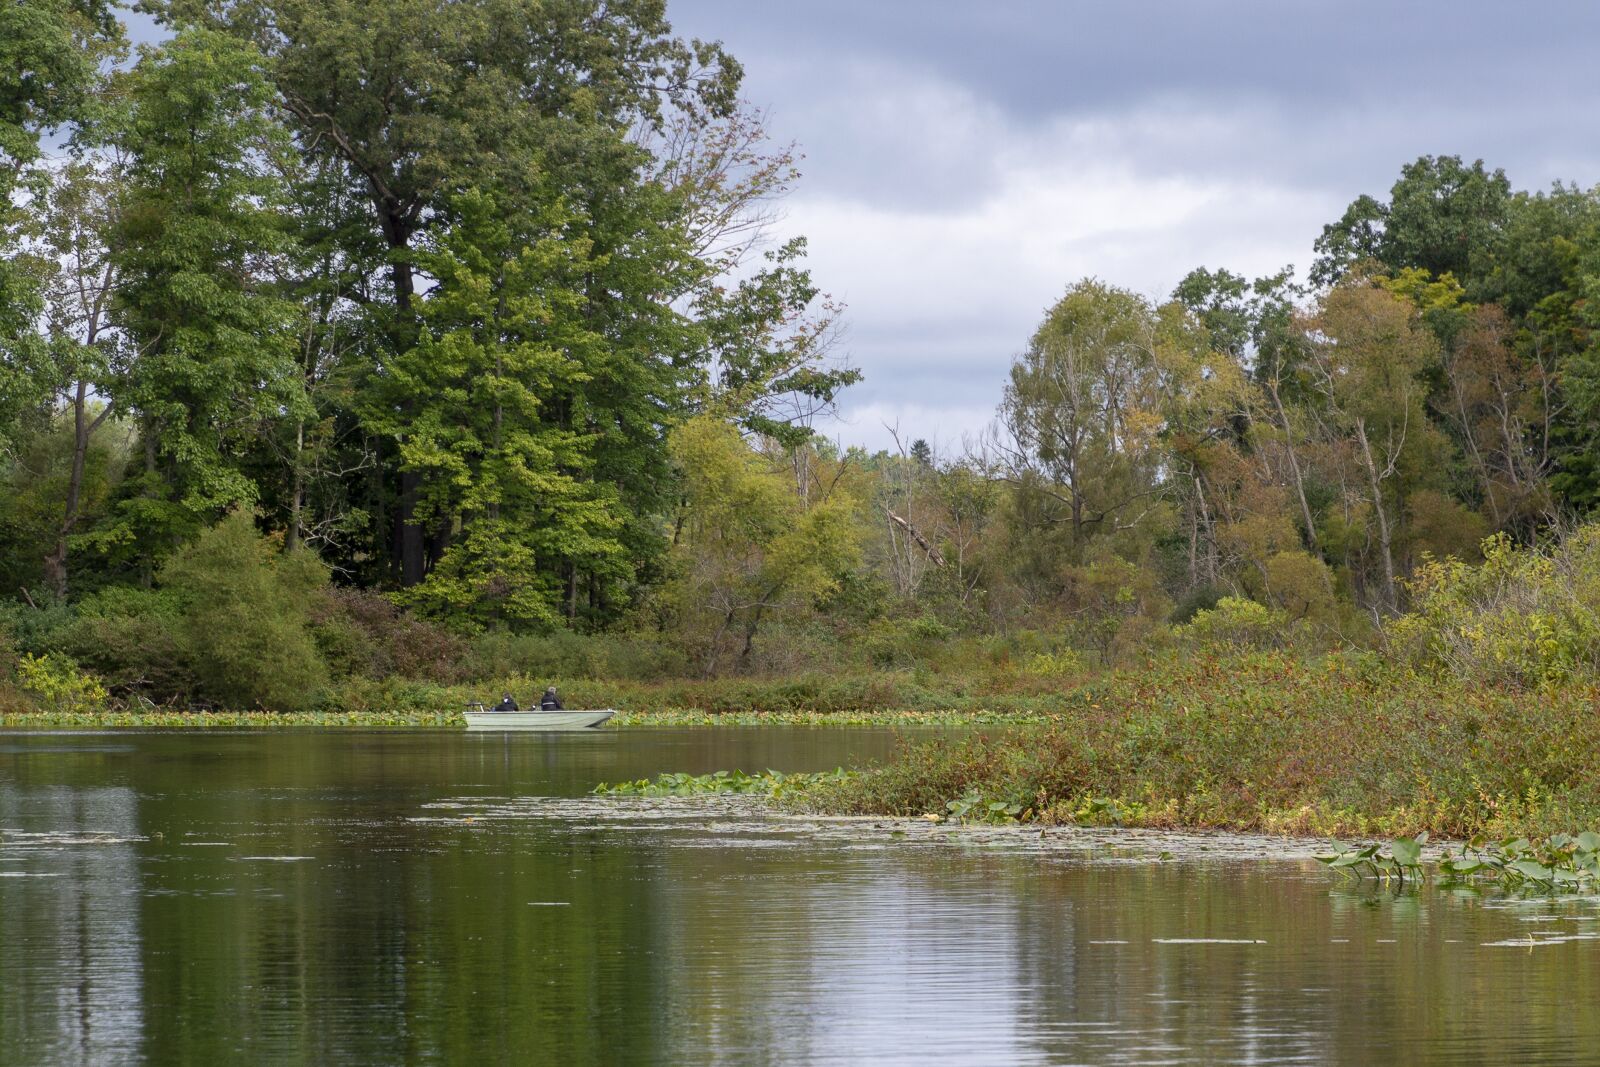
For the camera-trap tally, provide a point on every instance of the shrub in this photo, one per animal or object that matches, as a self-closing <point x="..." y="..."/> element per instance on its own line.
<point x="1060" y="664"/>
<point x="1264" y="741"/>
<point x="245" y="621"/>
<point x="58" y="684"/>
<point x="34" y="629"/>
<point x="1525" y="617"/>
<point x="1236" y="623"/>
<point x="366" y="634"/>
<point x="130" y="638"/>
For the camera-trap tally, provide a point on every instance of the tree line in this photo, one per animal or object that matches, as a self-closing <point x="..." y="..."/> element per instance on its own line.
<point x="472" y="307"/>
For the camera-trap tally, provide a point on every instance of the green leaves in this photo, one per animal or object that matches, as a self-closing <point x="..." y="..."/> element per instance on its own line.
<point x="774" y="784"/>
<point x="1401" y="860"/>
<point x="1560" y="862"/>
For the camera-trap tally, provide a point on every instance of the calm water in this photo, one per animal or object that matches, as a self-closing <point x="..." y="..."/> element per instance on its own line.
<point x="291" y="897"/>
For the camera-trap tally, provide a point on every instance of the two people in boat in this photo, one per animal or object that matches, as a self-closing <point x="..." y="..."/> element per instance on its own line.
<point x="551" y="701"/>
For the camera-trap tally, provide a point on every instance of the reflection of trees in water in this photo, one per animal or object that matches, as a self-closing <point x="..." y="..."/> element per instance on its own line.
<point x="70" y="944"/>
<point x="435" y="941"/>
<point x="1345" y="976"/>
<point x="797" y="954"/>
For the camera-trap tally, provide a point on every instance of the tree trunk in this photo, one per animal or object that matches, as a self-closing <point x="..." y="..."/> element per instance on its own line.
<point x="297" y="490"/>
<point x="412" y="546"/>
<point x="1391" y="598"/>
<point x="55" y="562"/>
<point x="146" y="568"/>
<point x="572" y="592"/>
<point x="1294" y="466"/>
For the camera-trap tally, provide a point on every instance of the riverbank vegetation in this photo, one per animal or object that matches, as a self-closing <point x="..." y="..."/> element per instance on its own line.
<point x="363" y="363"/>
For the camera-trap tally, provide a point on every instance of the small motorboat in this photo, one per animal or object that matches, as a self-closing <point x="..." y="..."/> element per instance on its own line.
<point x="481" y="718"/>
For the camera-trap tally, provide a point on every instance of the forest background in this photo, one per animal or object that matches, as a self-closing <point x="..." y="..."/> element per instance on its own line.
<point x="348" y="351"/>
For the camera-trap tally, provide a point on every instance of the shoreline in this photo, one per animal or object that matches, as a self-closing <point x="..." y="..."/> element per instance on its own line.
<point x="745" y="815"/>
<point x="270" y="720"/>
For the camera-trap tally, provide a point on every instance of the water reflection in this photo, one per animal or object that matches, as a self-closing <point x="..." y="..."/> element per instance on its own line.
<point x="287" y="897"/>
<point x="70" y="901"/>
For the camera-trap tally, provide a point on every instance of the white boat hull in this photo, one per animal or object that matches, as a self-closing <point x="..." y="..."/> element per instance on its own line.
<point x="536" y="720"/>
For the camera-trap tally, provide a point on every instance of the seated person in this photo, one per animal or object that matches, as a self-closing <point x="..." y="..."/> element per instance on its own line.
<point x="550" y="701"/>
<point x="506" y="704"/>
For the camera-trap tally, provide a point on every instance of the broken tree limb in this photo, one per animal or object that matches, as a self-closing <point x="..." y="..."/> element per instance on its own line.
<point x="922" y="542"/>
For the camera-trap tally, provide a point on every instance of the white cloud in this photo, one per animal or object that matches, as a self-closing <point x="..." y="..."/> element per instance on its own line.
<point x="942" y="295"/>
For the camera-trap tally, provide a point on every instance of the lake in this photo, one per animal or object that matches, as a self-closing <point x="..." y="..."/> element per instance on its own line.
<point x="443" y="897"/>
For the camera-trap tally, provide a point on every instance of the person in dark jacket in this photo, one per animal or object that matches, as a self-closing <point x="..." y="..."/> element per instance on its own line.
<point x="550" y="701"/>
<point x="506" y="704"/>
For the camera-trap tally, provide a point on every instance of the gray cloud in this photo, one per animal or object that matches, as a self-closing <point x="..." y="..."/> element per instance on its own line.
<point x="966" y="162"/>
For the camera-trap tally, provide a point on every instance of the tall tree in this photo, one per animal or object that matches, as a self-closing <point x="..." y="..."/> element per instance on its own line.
<point x="504" y="346"/>
<point x="425" y="97"/>
<point x="1078" y="414"/>
<point x="209" y="358"/>
<point x="50" y="51"/>
<point x="77" y="216"/>
<point x="1369" y="364"/>
<point x="1442" y="215"/>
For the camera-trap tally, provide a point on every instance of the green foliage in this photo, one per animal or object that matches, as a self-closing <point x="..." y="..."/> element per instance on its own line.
<point x="504" y="347"/>
<point x="133" y="640"/>
<point x="1236" y="623"/>
<point x="244" y="617"/>
<point x="58" y="684"/>
<point x="749" y="545"/>
<point x="364" y="634"/>
<point x="773" y="784"/>
<point x="1268" y="742"/>
<point x="1560" y="863"/>
<point x="1524" y="617"/>
<point x="198" y="219"/>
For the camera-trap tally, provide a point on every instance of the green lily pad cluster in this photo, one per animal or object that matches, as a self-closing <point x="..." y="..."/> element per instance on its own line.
<point x="766" y="783"/>
<point x="1401" y="860"/>
<point x="974" y="806"/>
<point x="1564" y="863"/>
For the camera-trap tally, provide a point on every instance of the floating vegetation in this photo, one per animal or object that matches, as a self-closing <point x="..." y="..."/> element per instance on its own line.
<point x="769" y="783"/>
<point x="974" y="806"/>
<point x="1401" y="860"/>
<point x="165" y="718"/>
<point x="1561" y="863"/>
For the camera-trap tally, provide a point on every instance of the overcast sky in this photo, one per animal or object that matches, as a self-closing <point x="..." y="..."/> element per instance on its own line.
<point x="966" y="161"/>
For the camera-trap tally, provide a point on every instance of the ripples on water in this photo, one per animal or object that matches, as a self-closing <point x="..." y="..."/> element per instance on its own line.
<point x="420" y="897"/>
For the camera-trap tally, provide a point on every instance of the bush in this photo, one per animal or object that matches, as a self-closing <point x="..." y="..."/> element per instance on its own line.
<point x="1236" y="623"/>
<point x="1061" y="664"/>
<point x="1524" y="617"/>
<point x="130" y="638"/>
<point x="1265" y="741"/>
<point x="58" y="684"/>
<point x="563" y="654"/>
<point x="34" y="629"/>
<point x="245" y="622"/>
<point x="365" y="634"/>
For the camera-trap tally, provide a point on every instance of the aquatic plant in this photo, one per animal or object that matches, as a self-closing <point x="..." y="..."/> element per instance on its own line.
<point x="1559" y="863"/>
<point x="1402" y="859"/>
<point x="973" y="806"/>
<point x="774" y="784"/>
